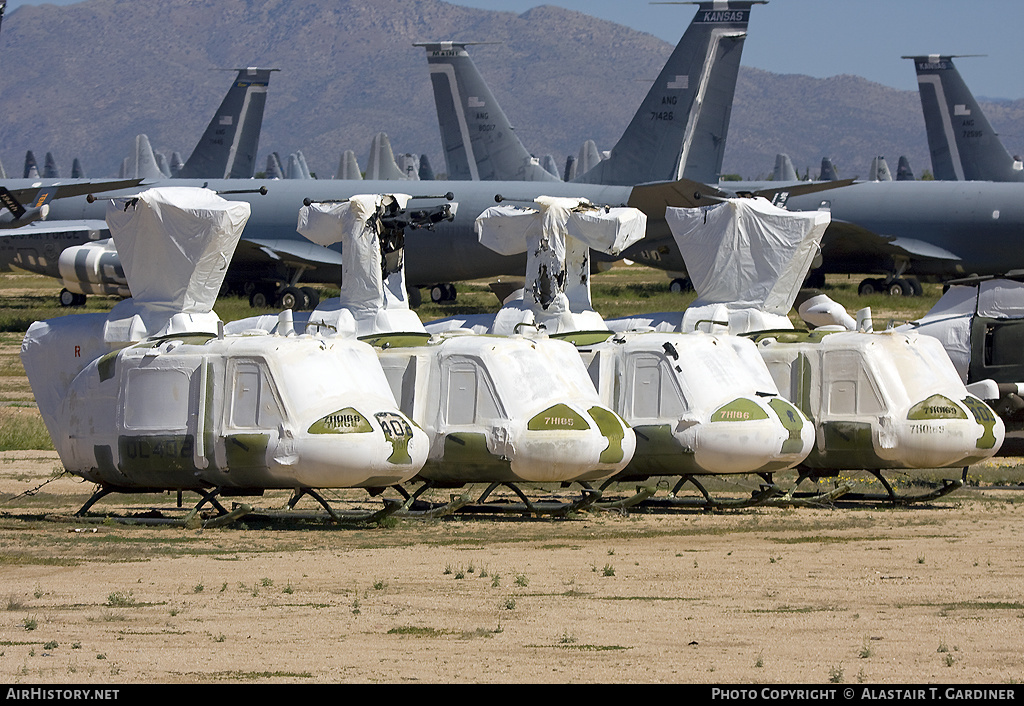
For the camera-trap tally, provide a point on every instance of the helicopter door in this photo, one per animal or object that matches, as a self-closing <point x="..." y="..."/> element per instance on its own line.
<point x="255" y="415"/>
<point x="157" y="421"/>
<point x="652" y="389"/>
<point x="469" y="395"/>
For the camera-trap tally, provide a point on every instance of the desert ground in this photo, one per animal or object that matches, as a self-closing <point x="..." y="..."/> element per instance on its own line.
<point x="842" y="593"/>
<point x="847" y="593"/>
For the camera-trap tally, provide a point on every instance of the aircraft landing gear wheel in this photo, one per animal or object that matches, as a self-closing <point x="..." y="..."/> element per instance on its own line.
<point x="291" y="298"/>
<point x="870" y="286"/>
<point x="258" y="299"/>
<point x="680" y="285"/>
<point x="442" y="293"/>
<point x="312" y="297"/>
<point x="68" y="298"/>
<point x="415" y="297"/>
<point x="915" y="286"/>
<point x="900" y="288"/>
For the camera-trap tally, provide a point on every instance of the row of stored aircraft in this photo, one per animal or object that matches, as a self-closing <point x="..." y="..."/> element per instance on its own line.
<point x="669" y="155"/>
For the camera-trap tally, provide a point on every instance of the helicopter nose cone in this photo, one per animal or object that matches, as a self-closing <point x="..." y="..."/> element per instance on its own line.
<point x="349" y="449"/>
<point x="940" y="432"/>
<point x="563" y="443"/>
<point x="748" y="435"/>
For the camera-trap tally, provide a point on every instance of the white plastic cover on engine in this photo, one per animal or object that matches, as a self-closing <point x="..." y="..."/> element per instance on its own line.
<point x="747" y="260"/>
<point x="373" y="296"/>
<point x="557" y="239"/>
<point x="175" y="244"/>
<point x="949" y="320"/>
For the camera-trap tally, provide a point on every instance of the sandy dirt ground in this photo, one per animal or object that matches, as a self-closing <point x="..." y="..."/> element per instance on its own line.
<point x="845" y="594"/>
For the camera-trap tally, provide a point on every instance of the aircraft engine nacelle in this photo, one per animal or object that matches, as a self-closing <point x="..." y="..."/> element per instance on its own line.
<point x="93" y="268"/>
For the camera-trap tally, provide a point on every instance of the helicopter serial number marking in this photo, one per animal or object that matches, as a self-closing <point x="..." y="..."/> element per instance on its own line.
<point x="927" y="429"/>
<point x="561" y="421"/>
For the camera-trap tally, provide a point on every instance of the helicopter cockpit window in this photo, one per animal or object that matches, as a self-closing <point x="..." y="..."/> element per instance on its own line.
<point x="253" y="403"/>
<point x="156" y="398"/>
<point x="470" y="396"/>
<point x="654" y="391"/>
<point x="850" y="388"/>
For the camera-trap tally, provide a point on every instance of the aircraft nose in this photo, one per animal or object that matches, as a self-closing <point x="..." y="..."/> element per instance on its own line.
<point x="566" y="444"/>
<point x="746" y="436"/>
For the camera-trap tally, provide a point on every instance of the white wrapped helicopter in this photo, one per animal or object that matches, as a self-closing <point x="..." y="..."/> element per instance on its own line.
<point x="700" y="404"/>
<point x="878" y="401"/>
<point x="497" y="410"/>
<point x="156" y="397"/>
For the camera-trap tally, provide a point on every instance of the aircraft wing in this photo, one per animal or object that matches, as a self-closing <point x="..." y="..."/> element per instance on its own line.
<point x="654" y="198"/>
<point x="850" y="242"/>
<point x="780" y="194"/>
<point x="18" y="201"/>
<point x="293" y="253"/>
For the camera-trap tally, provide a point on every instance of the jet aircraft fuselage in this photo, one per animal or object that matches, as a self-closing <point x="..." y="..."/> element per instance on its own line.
<point x="449" y="253"/>
<point x="940" y="228"/>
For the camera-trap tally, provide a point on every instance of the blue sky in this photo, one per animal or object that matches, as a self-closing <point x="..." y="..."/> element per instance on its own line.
<point x="829" y="37"/>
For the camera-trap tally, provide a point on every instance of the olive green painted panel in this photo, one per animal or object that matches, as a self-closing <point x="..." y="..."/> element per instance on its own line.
<point x="558" y="417"/>
<point x="936" y="407"/>
<point x="984" y="416"/>
<point x="398" y="432"/>
<point x="740" y="410"/>
<point x="172" y="453"/>
<point x="793" y="422"/>
<point x="246" y="450"/>
<point x="611" y="427"/>
<point x="344" y="421"/>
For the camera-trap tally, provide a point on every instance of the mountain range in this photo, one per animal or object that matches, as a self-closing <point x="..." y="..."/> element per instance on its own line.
<point x="83" y="80"/>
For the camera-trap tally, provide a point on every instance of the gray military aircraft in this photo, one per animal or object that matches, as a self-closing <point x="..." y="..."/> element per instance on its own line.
<point x="963" y="145"/>
<point x="930" y="228"/>
<point x="678" y="132"/>
<point x="227" y="150"/>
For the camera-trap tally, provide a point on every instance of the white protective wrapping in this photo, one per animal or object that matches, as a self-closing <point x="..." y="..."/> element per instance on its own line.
<point x="949" y="320"/>
<point x="557" y="239"/>
<point x="175" y="244"/>
<point x="1001" y="299"/>
<point x="746" y="254"/>
<point x="369" y="302"/>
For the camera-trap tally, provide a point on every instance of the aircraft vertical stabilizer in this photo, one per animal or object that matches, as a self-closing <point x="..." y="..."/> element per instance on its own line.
<point x="3" y="172"/>
<point x="963" y="145"/>
<point x="275" y="170"/>
<point x="680" y="129"/>
<point x="903" y="170"/>
<point x="348" y="167"/>
<point x="570" y="168"/>
<point x="31" y="167"/>
<point x="50" y="170"/>
<point x="176" y="165"/>
<point x="141" y="164"/>
<point x="784" y="170"/>
<point x="426" y="171"/>
<point x="828" y="170"/>
<point x="381" y="164"/>
<point x="227" y="150"/>
<point x="880" y="170"/>
<point x="478" y="139"/>
<point x="77" y="171"/>
<point x="297" y="167"/>
<point x="410" y="166"/>
<point x="588" y="158"/>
